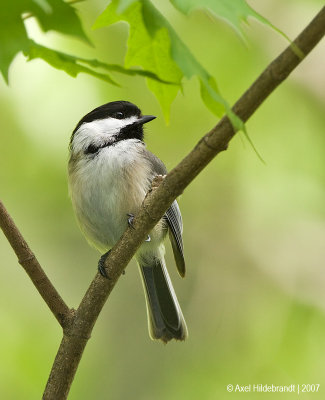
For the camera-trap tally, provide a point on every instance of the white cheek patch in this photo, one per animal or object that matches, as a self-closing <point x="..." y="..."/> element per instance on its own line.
<point x="98" y="132"/>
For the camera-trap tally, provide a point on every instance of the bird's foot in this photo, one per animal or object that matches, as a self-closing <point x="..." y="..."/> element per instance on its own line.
<point x="157" y="181"/>
<point x="101" y="265"/>
<point x="130" y="220"/>
<point x="130" y="223"/>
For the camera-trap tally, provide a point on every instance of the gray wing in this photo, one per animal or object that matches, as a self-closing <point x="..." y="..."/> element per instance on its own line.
<point x="158" y="167"/>
<point x="173" y="217"/>
<point x="174" y="220"/>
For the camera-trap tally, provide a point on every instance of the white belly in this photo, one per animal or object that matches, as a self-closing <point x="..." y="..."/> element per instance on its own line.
<point x="107" y="186"/>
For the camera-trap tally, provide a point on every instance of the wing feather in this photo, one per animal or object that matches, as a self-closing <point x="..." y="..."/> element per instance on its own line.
<point x="173" y="217"/>
<point x="175" y="223"/>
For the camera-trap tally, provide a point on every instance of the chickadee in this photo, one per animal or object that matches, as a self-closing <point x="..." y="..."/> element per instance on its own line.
<point x="110" y="171"/>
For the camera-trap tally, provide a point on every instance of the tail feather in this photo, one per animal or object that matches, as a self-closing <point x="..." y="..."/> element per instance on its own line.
<point x="165" y="318"/>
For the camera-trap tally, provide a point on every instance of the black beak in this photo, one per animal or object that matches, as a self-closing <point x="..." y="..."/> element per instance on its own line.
<point x="144" y="119"/>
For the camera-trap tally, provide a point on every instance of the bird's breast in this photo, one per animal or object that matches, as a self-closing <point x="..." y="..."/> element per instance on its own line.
<point x="105" y="187"/>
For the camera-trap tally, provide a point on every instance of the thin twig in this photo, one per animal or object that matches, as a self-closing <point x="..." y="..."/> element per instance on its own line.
<point x="157" y="202"/>
<point x="30" y="264"/>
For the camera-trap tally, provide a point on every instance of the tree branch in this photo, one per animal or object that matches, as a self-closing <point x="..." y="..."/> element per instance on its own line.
<point x="30" y="264"/>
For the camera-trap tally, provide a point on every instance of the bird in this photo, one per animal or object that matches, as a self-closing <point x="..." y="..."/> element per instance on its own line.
<point x="110" y="172"/>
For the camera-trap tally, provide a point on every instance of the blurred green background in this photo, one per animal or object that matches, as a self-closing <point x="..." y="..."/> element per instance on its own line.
<point x="254" y="234"/>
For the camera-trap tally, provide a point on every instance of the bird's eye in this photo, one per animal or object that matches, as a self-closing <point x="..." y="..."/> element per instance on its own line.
<point x="119" y="115"/>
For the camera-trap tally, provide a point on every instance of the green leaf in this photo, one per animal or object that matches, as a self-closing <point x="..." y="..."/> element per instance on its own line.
<point x="73" y="65"/>
<point x="13" y="36"/>
<point x="123" y="5"/>
<point x="235" y="12"/>
<point x="57" y="15"/>
<point x="236" y="122"/>
<point x="154" y="45"/>
<point x="148" y="48"/>
<point x="210" y="96"/>
<point x="125" y="71"/>
<point x="62" y="61"/>
<point x="52" y="15"/>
